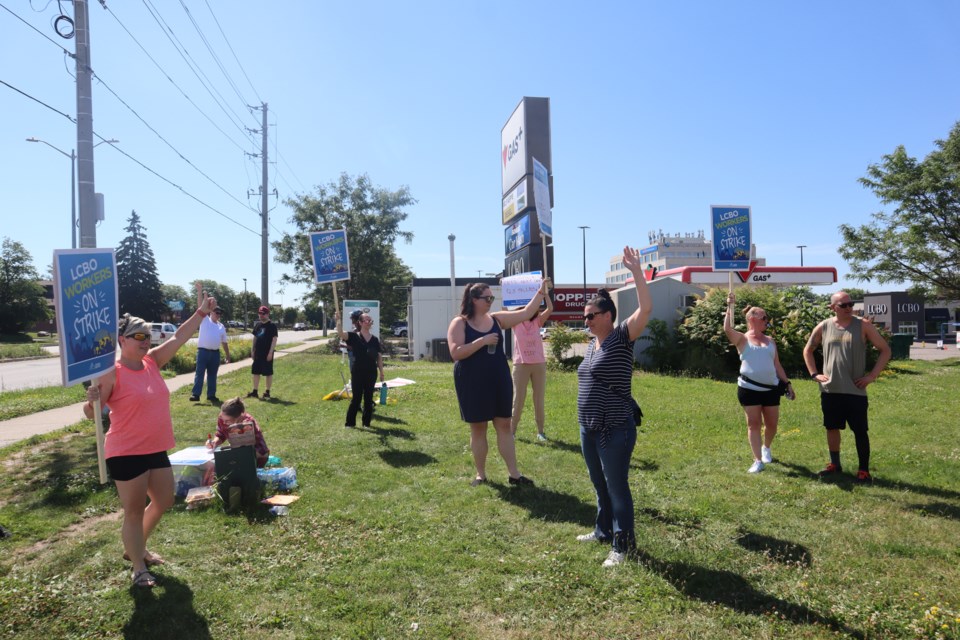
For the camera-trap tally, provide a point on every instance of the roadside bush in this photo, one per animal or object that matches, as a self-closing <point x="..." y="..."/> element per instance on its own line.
<point x="185" y="360"/>
<point x="664" y="353"/>
<point x="793" y="314"/>
<point x="562" y="338"/>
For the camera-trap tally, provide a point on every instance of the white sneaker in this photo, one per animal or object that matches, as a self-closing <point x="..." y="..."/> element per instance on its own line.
<point x="756" y="467"/>
<point x="587" y="537"/>
<point x="614" y="558"/>
<point x="542" y="437"/>
<point x="766" y="456"/>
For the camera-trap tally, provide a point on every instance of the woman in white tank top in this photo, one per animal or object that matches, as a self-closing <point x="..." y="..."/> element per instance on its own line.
<point x="758" y="384"/>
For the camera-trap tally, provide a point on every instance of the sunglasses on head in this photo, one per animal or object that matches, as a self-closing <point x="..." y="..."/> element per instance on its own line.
<point x="845" y="305"/>
<point x="139" y="336"/>
<point x="591" y="316"/>
<point x="489" y="299"/>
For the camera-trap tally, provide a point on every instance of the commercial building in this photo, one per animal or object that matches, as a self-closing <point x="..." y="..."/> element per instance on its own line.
<point x="671" y="252"/>
<point x="897" y="312"/>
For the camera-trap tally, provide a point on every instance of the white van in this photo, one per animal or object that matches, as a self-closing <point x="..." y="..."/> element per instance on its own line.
<point x="161" y="332"/>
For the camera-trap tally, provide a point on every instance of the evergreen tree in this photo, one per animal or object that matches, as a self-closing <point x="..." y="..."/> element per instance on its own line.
<point x="137" y="282"/>
<point x="21" y="296"/>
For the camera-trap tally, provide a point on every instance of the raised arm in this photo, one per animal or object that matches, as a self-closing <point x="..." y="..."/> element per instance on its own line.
<point x="509" y="319"/>
<point x="637" y="321"/>
<point x="735" y="337"/>
<point x="545" y="314"/>
<point x="162" y="353"/>
<point x="340" y="331"/>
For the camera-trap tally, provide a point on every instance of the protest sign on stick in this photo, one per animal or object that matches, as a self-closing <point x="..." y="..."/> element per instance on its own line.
<point x="85" y="298"/>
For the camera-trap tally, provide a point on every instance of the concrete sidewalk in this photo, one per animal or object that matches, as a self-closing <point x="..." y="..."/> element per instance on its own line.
<point x="21" y="428"/>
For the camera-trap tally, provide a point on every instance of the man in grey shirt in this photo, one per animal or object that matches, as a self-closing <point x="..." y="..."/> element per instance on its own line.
<point x="843" y="385"/>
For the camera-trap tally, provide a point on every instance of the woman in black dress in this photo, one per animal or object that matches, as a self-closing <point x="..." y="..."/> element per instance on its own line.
<point x="363" y="373"/>
<point x="481" y="374"/>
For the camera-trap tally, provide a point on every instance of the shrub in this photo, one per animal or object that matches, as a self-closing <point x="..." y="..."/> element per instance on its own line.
<point x="185" y="360"/>
<point x="562" y="338"/>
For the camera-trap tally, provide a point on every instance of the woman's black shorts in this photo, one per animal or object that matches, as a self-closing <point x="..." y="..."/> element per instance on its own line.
<point x="751" y="398"/>
<point x="124" y="468"/>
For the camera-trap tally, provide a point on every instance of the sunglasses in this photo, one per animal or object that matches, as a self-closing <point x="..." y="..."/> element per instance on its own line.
<point x="489" y="299"/>
<point x="845" y="305"/>
<point x="591" y="316"/>
<point x="366" y="320"/>
<point x="139" y="336"/>
<point x="762" y="318"/>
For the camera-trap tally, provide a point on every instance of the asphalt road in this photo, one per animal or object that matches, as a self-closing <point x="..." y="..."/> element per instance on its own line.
<point x="45" y="372"/>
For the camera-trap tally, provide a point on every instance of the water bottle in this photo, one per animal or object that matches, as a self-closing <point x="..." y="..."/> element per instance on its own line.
<point x="279" y="510"/>
<point x="492" y="348"/>
<point x="383" y="393"/>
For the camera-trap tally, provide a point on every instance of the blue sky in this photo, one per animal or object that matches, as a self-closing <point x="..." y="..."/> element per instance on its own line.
<point x="658" y="109"/>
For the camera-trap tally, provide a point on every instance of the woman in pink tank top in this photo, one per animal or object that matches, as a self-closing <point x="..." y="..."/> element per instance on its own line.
<point x="530" y="366"/>
<point x="141" y="432"/>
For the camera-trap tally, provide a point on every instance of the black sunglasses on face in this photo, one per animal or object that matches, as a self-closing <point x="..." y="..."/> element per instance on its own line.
<point x="591" y="316"/>
<point x="138" y="336"/>
<point x="845" y="305"/>
<point x="489" y="299"/>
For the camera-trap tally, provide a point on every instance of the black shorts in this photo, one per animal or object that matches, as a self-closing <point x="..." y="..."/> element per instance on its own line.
<point x="262" y="367"/>
<point x="753" y="398"/>
<point x="129" y="467"/>
<point x="841" y="409"/>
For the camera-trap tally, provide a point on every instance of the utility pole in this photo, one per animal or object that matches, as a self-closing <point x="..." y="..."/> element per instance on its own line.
<point x="264" y="236"/>
<point x="87" y="199"/>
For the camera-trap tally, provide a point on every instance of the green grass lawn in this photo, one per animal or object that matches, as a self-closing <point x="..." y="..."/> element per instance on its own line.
<point x="389" y="540"/>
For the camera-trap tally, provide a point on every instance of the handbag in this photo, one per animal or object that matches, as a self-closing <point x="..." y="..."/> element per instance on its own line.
<point x="780" y="387"/>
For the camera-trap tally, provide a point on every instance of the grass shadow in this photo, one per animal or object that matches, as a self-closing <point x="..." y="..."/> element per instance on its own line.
<point x="843" y="481"/>
<point x="388" y="419"/>
<point x="166" y="611"/>
<point x="941" y="509"/>
<point x="782" y="551"/>
<point x="548" y="505"/>
<point x="731" y="590"/>
<point x="563" y="446"/>
<point x="644" y="465"/>
<point x="67" y="482"/>
<point x="277" y="401"/>
<point x="659" y="516"/>
<point x="401" y="459"/>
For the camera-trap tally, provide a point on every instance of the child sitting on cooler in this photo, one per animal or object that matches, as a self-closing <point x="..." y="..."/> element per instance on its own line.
<point x="234" y="425"/>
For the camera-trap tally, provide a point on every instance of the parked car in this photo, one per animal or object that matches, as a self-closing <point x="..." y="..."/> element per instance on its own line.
<point x="161" y="332"/>
<point x="300" y="326"/>
<point x="400" y="328"/>
<point x="544" y="332"/>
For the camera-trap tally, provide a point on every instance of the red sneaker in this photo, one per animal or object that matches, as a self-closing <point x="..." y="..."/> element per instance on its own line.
<point x="864" y="477"/>
<point x="830" y="469"/>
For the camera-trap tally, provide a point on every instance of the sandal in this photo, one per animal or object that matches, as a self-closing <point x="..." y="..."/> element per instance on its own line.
<point x="477" y="482"/>
<point x="144" y="580"/>
<point x="150" y="558"/>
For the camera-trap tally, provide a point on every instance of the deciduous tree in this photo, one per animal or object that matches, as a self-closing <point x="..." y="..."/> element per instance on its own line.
<point x="372" y="217"/>
<point x="919" y="241"/>
<point x="21" y="295"/>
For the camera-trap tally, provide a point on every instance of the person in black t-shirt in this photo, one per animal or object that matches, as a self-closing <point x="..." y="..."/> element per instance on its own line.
<point x="264" y="343"/>
<point x="367" y="361"/>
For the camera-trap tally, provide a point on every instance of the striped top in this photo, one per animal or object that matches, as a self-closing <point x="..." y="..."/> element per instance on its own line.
<point x="598" y="407"/>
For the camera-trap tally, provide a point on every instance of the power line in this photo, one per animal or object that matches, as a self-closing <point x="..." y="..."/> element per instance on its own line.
<point x="42" y="34"/>
<point x="233" y="52"/>
<point x="182" y="92"/>
<point x="170" y="182"/>
<point x="174" y="149"/>
<point x="216" y="58"/>
<point x="207" y="84"/>
<point x="37" y="100"/>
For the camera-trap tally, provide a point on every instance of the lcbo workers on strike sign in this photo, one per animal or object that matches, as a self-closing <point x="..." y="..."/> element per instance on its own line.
<point x="731" y="237"/>
<point x="85" y="295"/>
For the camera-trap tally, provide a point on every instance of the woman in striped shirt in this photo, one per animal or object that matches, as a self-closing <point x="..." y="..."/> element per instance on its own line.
<point x="608" y="430"/>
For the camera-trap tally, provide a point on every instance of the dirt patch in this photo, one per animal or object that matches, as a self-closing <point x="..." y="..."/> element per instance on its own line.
<point x="75" y="530"/>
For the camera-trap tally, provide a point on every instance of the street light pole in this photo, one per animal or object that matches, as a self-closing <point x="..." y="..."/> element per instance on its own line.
<point x="73" y="187"/>
<point x="801" y="247"/>
<point x="244" y="303"/>
<point x="453" y="282"/>
<point x="73" y="183"/>
<point x="584" y="229"/>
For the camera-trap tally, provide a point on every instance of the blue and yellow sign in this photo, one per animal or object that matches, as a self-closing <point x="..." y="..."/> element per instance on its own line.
<point x="331" y="257"/>
<point x="85" y="294"/>
<point x="731" y="237"/>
